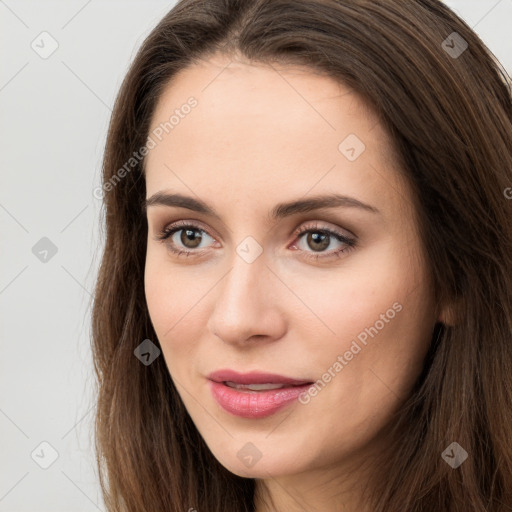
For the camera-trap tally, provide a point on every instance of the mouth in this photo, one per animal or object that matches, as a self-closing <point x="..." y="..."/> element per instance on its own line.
<point x="256" y="394"/>
<point x="259" y="387"/>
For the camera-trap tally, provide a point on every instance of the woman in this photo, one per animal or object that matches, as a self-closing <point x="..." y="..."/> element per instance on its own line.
<point x="304" y="301"/>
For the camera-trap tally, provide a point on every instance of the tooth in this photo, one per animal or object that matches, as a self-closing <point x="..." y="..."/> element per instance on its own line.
<point x="261" y="387"/>
<point x="254" y="387"/>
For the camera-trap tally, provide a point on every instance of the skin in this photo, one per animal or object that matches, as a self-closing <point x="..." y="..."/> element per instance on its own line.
<point x="261" y="135"/>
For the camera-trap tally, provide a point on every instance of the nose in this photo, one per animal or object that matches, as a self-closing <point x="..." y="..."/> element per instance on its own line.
<point x="248" y="304"/>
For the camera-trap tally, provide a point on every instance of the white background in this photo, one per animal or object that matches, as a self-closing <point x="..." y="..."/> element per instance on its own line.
<point x="54" y="114"/>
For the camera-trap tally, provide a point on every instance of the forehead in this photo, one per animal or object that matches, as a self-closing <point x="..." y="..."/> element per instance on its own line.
<point x="241" y="94"/>
<point x="268" y="130"/>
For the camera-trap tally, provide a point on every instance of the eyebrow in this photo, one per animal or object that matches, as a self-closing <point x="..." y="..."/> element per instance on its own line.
<point x="280" y="211"/>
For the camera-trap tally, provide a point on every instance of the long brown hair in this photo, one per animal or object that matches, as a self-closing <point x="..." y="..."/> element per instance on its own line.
<point x="448" y="109"/>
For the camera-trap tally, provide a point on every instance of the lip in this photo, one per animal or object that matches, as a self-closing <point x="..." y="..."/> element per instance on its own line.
<point x="254" y="404"/>
<point x="254" y="378"/>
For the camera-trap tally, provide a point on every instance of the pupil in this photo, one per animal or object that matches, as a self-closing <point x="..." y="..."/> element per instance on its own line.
<point x="324" y="240"/>
<point x="188" y="235"/>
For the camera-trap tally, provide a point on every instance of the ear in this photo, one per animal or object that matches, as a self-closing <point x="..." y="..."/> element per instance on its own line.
<point x="448" y="315"/>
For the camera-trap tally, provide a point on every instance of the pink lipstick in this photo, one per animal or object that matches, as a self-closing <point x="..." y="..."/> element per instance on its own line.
<point x="255" y="394"/>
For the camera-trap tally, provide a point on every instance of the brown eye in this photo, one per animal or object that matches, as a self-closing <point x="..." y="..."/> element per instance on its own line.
<point x="317" y="241"/>
<point x="318" y="238"/>
<point x="188" y="241"/>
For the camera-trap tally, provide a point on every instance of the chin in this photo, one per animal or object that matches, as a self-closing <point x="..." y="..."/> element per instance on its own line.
<point x="263" y="467"/>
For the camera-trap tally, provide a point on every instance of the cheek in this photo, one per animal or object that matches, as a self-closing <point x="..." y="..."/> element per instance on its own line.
<point x="173" y="299"/>
<point x="343" y="304"/>
<point x="380" y="321"/>
<point x="369" y="367"/>
<point x="157" y="287"/>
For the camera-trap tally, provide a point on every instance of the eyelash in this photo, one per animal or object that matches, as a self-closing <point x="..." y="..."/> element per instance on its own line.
<point x="167" y="232"/>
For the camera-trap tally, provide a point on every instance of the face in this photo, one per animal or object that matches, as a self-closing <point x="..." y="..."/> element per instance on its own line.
<point x="330" y="293"/>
